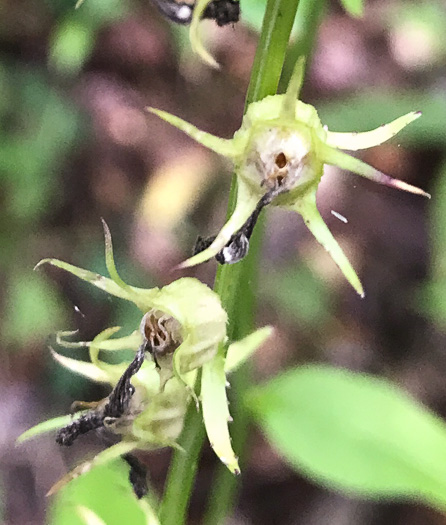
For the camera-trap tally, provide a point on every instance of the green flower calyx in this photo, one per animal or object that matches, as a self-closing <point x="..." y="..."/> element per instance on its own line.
<point x="279" y="154"/>
<point x="182" y="330"/>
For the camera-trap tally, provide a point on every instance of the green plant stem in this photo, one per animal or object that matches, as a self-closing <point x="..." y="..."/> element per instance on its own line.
<point x="224" y="486"/>
<point x="182" y="470"/>
<point x="235" y="283"/>
<point x="308" y="18"/>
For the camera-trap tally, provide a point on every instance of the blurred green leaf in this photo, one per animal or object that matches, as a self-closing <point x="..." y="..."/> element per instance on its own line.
<point x="44" y="130"/>
<point x="33" y="309"/>
<point x="73" y="39"/>
<point x="298" y="295"/>
<point x="106" y="491"/>
<point x="71" y="46"/>
<point x="353" y="7"/>
<point x="5" y="91"/>
<point x="355" y="433"/>
<point x="431" y="298"/>
<point x="366" y="111"/>
<point x="416" y="25"/>
<point x="100" y="12"/>
<point x="67" y="386"/>
<point x="88" y="516"/>
<point x="252" y="12"/>
<point x="96" y="11"/>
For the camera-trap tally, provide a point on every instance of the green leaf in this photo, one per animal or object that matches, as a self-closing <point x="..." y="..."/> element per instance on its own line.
<point x="253" y="12"/>
<point x="91" y="518"/>
<point x="34" y="310"/>
<point x="32" y="150"/>
<point x="71" y="46"/>
<point x="105" y="491"/>
<point x="353" y="7"/>
<point x="298" y="295"/>
<point x="355" y="433"/>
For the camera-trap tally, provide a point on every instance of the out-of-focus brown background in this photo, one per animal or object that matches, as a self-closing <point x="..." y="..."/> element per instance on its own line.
<point x="77" y="145"/>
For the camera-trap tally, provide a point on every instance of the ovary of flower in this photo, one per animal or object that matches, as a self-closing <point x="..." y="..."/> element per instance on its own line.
<point x="155" y="414"/>
<point x="282" y="144"/>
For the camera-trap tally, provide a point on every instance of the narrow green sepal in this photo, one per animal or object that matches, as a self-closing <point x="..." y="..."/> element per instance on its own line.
<point x="122" y="343"/>
<point x="216" y="413"/>
<point x="242" y="350"/>
<point x="246" y="203"/>
<point x="46" y="426"/>
<point x="140" y="296"/>
<point x="110" y="260"/>
<point x="288" y="111"/>
<point x="226" y="147"/>
<point x="90" y="370"/>
<point x="369" y="139"/>
<point x="347" y="162"/>
<point x="104" y="283"/>
<point x="61" y="341"/>
<point x="95" y="345"/>
<point x="314" y="222"/>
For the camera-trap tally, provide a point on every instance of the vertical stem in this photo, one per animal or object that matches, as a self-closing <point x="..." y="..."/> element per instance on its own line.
<point x="309" y="16"/>
<point x="182" y="471"/>
<point x="307" y="19"/>
<point x="234" y="283"/>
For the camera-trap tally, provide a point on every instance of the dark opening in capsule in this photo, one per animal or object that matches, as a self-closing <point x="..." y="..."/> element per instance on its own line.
<point x="281" y="160"/>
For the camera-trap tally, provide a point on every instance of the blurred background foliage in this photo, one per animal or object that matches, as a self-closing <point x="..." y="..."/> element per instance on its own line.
<point x="76" y="145"/>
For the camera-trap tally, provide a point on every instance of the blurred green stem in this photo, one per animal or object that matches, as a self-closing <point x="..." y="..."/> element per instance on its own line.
<point x="182" y="471"/>
<point x="308" y="18"/>
<point x="236" y="286"/>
